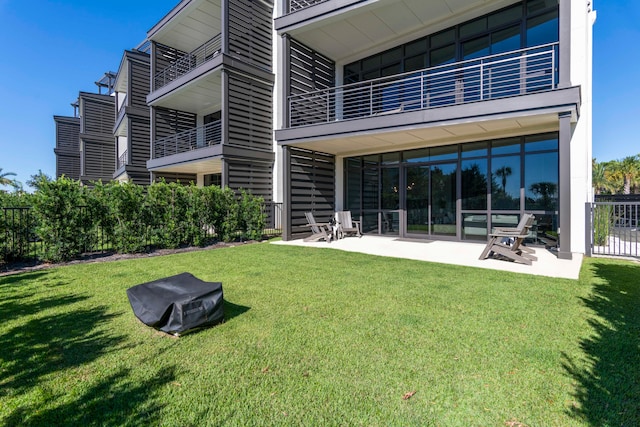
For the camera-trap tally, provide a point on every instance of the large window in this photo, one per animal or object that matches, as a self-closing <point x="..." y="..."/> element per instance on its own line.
<point x="525" y="24"/>
<point x="494" y="181"/>
<point x="474" y="178"/>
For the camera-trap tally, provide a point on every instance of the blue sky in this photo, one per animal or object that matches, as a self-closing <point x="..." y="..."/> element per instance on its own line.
<point x="54" y="49"/>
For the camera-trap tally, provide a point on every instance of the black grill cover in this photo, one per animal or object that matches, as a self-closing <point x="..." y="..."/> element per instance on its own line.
<point x="178" y="303"/>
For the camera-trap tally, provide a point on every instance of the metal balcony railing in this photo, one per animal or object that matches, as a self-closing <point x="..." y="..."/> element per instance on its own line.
<point x="188" y="62"/>
<point x="122" y="159"/>
<point x="295" y="5"/>
<point x="496" y="76"/>
<point x="192" y="139"/>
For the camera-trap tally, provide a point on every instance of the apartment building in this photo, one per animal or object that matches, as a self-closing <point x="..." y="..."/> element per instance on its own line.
<point x="211" y="98"/>
<point x="132" y="122"/>
<point x="428" y="120"/>
<point x="96" y="144"/>
<point x="436" y="119"/>
<point x="67" y="149"/>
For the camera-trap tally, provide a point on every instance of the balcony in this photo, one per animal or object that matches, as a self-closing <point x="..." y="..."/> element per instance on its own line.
<point x="189" y="62"/>
<point x="122" y="160"/>
<point x="193" y="139"/>
<point x="295" y="5"/>
<point x="504" y="75"/>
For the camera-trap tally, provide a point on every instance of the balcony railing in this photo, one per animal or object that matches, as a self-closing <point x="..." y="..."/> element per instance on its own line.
<point x="295" y="5"/>
<point x="497" y="76"/>
<point x="122" y="159"/>
<point x="192" y="139"/>
<point x="188" y="62"/>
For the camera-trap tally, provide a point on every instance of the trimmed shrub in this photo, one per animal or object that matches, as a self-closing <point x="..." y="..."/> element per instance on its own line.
<point x="72" y="219"/>
<point x="603" y="219"/>
<point x="251" y="218"/>
<point x="63" y="225"/>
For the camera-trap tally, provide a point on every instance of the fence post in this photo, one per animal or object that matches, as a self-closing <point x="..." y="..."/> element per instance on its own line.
<point x="588" y="229"/>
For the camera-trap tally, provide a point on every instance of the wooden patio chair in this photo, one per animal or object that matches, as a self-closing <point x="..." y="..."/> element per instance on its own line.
<point x="319" y="230"/>
<point x="515" y="251"/>
<point x="346" y="225"/>
<point x="525" y="224"/>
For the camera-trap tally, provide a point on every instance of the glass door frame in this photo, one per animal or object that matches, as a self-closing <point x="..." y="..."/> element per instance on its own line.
<point x="403" y="200"/>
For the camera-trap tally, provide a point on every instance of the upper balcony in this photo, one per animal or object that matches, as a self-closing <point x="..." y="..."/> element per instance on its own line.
<point x="496" y="76"/>
<point x="131" y="88"/>
<point x="508" y="92"/>
<point x="187" y="141"/>
<point x="195" y="150"/>
<point x="188" y="62"/>
<point x="196" y="40"/>
<point x="295" y="5"/>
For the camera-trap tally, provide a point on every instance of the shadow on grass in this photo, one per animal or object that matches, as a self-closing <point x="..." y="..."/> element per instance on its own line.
<point x="609" y="389"/>
<point x="232" y="310"/>
<point x="48" y="336"/>
<point x="14" y="279"/>
<point x="113" y="401"/>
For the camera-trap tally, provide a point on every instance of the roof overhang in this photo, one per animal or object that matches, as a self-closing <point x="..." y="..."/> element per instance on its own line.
<point x="342" y="29"/>
<point x="188" y="25"/>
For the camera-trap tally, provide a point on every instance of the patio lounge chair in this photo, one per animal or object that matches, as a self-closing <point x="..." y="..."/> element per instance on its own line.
<point x="346" y="225"/>
<point x="515" y="251"/>
<point x="319" y="230"/>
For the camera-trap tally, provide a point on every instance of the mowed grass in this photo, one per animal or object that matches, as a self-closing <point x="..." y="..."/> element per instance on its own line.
<point x="318" y="337"/>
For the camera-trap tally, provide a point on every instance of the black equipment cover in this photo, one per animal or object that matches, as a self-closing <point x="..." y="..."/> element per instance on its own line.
<point x="178" y="303"/>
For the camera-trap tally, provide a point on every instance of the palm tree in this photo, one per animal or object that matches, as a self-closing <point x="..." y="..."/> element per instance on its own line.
<point x="546" y="190"/>
<point x="598" y="177"/>
<point x="629" y="168"/>
<point x="605" y="177"/>
<point x="5" y="180"/>
<point x="503" y="173"/>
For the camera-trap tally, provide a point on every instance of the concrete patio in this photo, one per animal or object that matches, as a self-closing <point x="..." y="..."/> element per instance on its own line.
<point x="457" y="253"/>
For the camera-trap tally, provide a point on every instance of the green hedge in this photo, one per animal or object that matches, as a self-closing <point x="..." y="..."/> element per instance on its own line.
<point x="69" y="218"/>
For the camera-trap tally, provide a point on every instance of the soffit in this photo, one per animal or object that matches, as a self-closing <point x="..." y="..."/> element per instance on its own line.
<point x="445" y="134"/>
<point x="204" y="166"/>
<point x="368" y="25"/>
<point x="190" y="26"/>
<point x="199" y="96"/>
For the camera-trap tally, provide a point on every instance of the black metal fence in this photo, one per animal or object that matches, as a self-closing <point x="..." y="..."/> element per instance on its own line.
<point x="273" y="217"/>
<point x="612" y="228"/>
<point x="19" y="241"/>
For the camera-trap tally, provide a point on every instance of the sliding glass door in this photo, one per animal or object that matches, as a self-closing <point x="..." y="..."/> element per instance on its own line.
<point x="430" y="199"/>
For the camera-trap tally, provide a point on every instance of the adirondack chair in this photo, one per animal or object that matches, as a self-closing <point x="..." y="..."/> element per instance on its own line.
<point x="319" y="230"/>
<point x="525" y="224"/>
<point x="346" y="225"/>
<point x="515" y="251"/>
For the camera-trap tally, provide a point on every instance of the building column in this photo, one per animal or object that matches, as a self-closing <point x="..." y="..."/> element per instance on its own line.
<point x="564" y="63"/>
<point x="564" y="199"/>
<point x="286" y="193"/>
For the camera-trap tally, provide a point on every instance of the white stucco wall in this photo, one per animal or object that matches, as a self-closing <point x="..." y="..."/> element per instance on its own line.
<point x="582" y="20"/>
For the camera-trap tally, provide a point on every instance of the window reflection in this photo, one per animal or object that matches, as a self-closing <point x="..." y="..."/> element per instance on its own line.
<point x="505" y="182"/>
<point x="390" y="188"/>
<point x="541" y="181"/>
<point x="474" y="184"/>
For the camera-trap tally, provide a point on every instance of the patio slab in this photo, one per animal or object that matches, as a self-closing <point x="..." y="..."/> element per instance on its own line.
<point x="456" y="253"/>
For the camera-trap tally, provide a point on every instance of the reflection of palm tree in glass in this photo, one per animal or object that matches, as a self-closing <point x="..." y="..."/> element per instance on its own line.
<point x="503" y="173"/>
<point x="544" y="190"/>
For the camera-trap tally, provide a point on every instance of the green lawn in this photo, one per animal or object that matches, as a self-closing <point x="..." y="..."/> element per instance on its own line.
<point x="319" y="337"/>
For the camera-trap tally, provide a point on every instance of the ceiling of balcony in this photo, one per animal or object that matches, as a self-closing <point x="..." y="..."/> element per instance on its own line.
<point x="202" y="166"/>
<point x="201" y="95"/>
<point x="354" y="31"/>
<point x="418" y="137"/>
<point x="190" y="24"/>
